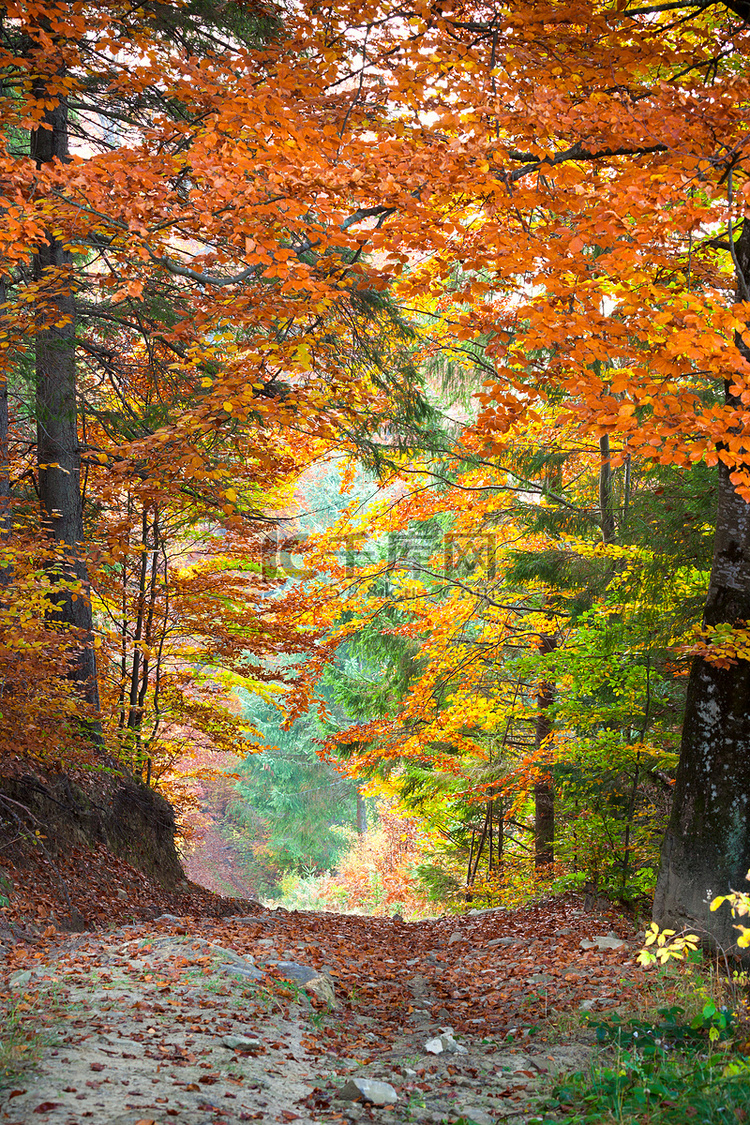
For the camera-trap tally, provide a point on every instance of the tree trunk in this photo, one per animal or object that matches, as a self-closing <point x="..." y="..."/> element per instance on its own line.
<point x="58" y="452"/>
<point x="544" y="792"/>
<point x="606" y="492"/>
<point x="706" y="849"/>
<point x="5" y="512"/>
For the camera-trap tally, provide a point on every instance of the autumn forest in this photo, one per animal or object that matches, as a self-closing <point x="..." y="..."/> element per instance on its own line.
<point x="373" y="441"/>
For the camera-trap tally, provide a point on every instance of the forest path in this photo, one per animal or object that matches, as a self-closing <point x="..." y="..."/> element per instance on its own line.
<point x="186" y="1020"/>
<point x="213" y="863"/>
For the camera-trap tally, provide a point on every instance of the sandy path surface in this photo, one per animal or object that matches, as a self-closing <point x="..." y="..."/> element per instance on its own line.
<point x="192" y="1020"/>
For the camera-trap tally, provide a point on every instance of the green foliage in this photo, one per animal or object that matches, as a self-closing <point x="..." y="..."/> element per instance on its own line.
<point x="288" y="806"/>
<point x="663" y="1091"/>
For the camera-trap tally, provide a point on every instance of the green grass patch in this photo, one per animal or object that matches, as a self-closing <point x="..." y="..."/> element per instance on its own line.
<point x="669" y="1071"/>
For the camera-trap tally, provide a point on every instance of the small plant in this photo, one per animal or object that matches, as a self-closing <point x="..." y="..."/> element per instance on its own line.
<point x="739" y="902"/>
<point x="21" y="1036"/>
<point x="667" y="945"/>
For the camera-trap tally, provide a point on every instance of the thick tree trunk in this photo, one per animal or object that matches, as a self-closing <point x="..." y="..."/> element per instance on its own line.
<point x="58" y="452"/>
<point x="544" y="792"/>
<point x="706" y="849"/>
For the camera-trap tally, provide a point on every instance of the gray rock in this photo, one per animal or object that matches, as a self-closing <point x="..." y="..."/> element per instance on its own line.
<point x="246" y="972"/>
<point x="20" y="978"/>
<point x="168" y="918"/>
<point x="368" y="1090"/>
<point x="241" y="1042"/>
<point x="303" y="974"/>
<point x="597" y="1002"/>
<point x="489" y="910"/>
<point x="229" y="955"/>
<point x="455" y="936"/>
<point x="501" y="941"/>
<point x="539" y="978"/>
<point x="445" y="1042"/>
<point x="477" y="1114"/>
<point x="604" y="943"/>
<point x="566" y="931"/>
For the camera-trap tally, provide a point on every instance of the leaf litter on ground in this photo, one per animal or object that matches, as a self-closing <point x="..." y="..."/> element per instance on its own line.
<point x="189" y="1017"/>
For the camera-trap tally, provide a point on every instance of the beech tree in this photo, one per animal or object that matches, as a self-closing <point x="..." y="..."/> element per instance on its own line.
<point x="199" y="319"/>
<point x="585" y="164"/>
<point x="565" y="180"/>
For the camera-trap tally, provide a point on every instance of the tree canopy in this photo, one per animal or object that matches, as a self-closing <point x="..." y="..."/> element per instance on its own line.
<point x="499" y="254"/>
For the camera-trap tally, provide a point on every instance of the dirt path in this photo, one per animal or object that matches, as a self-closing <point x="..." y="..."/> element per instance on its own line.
<point x="212" y="864"/>
<point x="187" y="1020"/>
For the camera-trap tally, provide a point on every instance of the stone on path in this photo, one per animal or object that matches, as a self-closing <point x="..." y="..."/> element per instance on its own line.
<point x="303" y="974"/>
<point x="611" y="941"/>
<point x="444" y="1042"/>
<point x="368" y="1090"/>
<point x="322" y="987"/>
<point x="241" y="1043"/>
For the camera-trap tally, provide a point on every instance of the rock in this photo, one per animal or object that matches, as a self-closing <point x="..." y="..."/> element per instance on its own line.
<point x="489" y="910"/>
<point x="230" y="955"/>
<point x="539" y="978"/>
<point x="241" y="1043"/>
<point x="121" y="893"/>
<point x="368" y="1090"/>
<point x="603" y="943"/>
<point x="303" y="974"/>
<point x="455" y="936"/>
<point x="502" y="941"/>
<point x="247" y="972"/>
<point x="566" y="931"/>
<point x="595" y="1002"/>
<point x="477" y="1115"/>
<point x="167" y="918"/>
<point x="20" y="978"/>
<point x="445" y="1042"/>
<point x="322" y="987"/>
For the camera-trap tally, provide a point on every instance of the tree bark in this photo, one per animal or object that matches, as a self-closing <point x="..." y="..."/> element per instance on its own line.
<point x="706" y="850"/>
<point x="58" y="451"/>
<point x="606" y="492"/>
<point x="544" y="791"/>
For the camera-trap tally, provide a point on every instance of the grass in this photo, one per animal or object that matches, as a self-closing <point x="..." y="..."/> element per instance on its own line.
<point x="672" y="1064"/>
<point x="667" y="1090"/>
<point x="24" y="1033"/>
